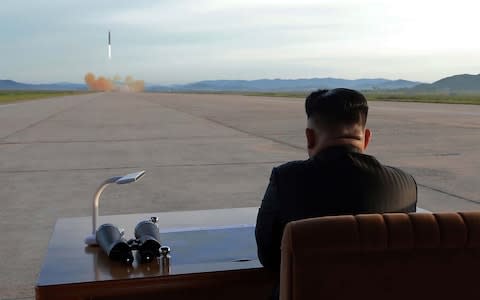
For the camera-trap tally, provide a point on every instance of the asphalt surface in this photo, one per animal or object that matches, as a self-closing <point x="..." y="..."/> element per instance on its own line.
<point x="200" y="152"/>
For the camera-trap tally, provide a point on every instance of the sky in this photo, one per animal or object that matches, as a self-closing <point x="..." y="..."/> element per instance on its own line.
<point x="179" y="41"/>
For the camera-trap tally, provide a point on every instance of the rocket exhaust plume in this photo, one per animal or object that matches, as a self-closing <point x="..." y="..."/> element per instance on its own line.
<point x="98" y="84"/>
<point x="106" y="84"/>
<point x="109" y="46"/>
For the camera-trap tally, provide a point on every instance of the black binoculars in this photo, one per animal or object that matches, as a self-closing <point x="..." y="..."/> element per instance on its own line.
<point x="146" y="241"/>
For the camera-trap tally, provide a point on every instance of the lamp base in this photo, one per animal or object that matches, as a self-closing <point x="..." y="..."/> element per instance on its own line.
<point x="91" y="240"/>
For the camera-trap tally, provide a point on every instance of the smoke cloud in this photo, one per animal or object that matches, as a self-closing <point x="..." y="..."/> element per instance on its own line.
<point x="117" y="84"/>
<point x="134" y="85"/>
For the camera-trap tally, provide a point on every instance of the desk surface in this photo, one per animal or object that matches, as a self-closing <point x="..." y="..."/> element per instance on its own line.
<point x="201" y="241"/>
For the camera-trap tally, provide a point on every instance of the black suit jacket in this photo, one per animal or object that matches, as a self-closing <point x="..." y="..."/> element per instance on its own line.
<point x="337" y="181"/>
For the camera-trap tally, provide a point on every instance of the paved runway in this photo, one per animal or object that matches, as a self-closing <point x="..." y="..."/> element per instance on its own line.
<point x="200" y="152"/>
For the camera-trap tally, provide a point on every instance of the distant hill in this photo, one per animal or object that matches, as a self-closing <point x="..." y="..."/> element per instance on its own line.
<point x="464" y="83"/>
<point x="285" y="85"/>
<point x="456" y="83"/>
<point x="12" y="85"/>
<point x="60" y="86"/>
<point x="397" y="84"/>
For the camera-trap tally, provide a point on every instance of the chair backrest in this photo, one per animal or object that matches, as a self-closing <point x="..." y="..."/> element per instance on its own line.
<point x="389" y="256"/>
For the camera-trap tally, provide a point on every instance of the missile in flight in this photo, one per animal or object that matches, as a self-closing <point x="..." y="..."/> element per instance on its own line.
<point x="109" y="46"/>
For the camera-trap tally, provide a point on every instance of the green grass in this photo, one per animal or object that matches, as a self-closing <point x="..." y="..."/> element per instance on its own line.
<point x="452" y="98"/>
<point x="17" y="96"/>
<point x="397" y="97"/>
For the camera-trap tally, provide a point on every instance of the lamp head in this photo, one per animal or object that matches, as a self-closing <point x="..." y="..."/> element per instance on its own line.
<point x="132" y="177"/>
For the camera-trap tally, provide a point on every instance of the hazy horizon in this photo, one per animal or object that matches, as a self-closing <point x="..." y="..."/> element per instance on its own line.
<point x="208" y="79"/>
<point x="181" y="41"/>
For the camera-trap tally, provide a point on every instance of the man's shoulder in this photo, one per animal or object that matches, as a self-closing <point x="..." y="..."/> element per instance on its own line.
<point x="386" y="173"/>
<point x="399" y="173"/>
<point x="291" y="166"/>
<point x="371" y="162"/>
<point x="295" y="173"/>
<point x="363" y="163"/>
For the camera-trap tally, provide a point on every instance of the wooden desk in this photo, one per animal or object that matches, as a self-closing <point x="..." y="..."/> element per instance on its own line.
<point x="213" y="257"/>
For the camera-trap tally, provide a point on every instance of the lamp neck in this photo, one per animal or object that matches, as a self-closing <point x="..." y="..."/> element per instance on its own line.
<point x="96" y="201"/>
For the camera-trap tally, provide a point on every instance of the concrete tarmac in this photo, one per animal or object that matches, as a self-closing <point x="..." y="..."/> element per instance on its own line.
<point x="200" y="152"/>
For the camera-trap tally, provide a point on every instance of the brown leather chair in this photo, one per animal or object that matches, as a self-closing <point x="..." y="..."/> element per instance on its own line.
<point x="388" y="257"/>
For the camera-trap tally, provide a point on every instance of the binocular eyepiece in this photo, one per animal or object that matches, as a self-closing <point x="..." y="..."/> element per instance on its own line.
<point x="146" y="241"/>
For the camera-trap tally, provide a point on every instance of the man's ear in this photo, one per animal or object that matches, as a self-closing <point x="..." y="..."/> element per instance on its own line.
<point x="311" y="138"/>
<point x="368" y="136"/>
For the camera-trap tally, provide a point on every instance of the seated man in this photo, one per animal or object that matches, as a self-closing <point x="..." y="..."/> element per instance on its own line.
<point x="338" y="178"/>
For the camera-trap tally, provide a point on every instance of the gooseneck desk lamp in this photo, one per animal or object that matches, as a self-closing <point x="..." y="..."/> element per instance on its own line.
<point x="132" y="177"/>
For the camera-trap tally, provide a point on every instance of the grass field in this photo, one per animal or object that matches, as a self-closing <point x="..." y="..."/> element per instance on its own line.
<point x="16" y="96"/>
<point x="398" y="96"/>
<point x="425" y="97"/>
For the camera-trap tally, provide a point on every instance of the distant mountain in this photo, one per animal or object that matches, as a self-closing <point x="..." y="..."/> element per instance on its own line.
<point x="12" y="85"/>
<point x="397" y="84"/>
<point x="456" y="83"/>
<point x="285" y="85"/>
<point x="466" y="83"/>
<point x="60" y="86"/>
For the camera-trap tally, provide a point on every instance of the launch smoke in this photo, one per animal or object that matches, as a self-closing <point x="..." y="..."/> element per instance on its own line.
<point x="98" y="84"/>
<point x="117" y="84"/>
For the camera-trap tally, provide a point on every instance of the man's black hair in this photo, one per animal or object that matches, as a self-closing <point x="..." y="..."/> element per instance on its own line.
<point x="336" y="107"/>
